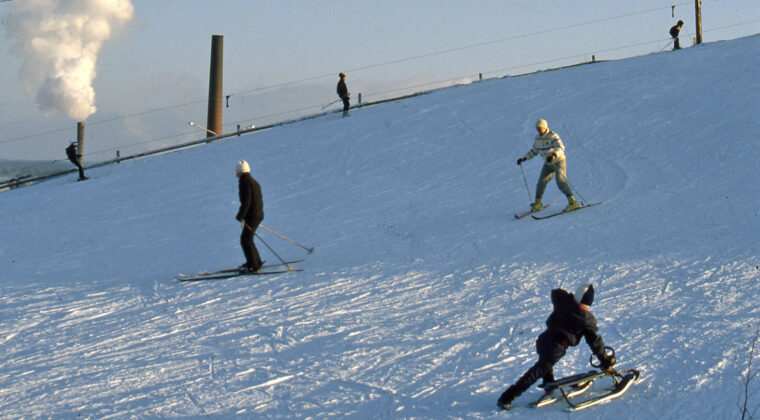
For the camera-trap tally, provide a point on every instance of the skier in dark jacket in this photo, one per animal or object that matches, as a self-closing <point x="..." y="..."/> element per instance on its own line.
<point x="342" y="91"/>
<point x="570" y="321"/>
<point x="71" y="153"/>
<point x="251" y="213"/>
<point x="674" y="31"/>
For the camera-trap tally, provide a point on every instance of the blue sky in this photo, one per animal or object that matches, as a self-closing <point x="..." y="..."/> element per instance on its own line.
<point x="159" y="60"/>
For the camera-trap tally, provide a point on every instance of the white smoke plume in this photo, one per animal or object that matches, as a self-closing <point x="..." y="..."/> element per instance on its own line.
<point x="59" y="41"/>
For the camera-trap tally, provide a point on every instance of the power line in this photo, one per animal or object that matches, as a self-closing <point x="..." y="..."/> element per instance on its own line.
<point x="123" y="117"/>
<point x="355" y="69"/>
<point x="511" y="38"/>
<point x="465" y="47"/>
<point x="398" y="89"/>
<point x="377" y="65"/>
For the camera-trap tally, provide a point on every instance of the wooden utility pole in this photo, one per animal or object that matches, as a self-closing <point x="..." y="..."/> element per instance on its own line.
<point x="80" y="141"/>
<point x="698" y="7"/>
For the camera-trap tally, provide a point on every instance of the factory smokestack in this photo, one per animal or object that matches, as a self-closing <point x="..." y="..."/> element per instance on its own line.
<point x="214" y="122"/>
<point x="80" y="141"/>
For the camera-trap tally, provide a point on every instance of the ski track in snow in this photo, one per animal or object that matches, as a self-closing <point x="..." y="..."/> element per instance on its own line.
<point x="424" y="296"/>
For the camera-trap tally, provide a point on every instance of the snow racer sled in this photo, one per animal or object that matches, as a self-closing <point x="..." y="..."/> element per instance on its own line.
<point x="574" y="385"/>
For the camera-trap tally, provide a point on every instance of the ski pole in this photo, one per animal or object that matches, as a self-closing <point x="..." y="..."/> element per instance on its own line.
<point x="273" y="252"/>
<point x="267" y="245"/>
<point x="583" y="200"/>
<point x="670" y="42"/>
<point x="287" y="239"/>
<point x="530" y="196"/>
<point x="330" y="103"/>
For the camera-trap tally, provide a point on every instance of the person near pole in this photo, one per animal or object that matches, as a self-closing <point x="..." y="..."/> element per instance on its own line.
<point x="343" y="94"/>
<point x="74" y="157"/>
<point x="549" y="146"/>
<point x="570" y="320"/>
<point x="251" y="213"/>
<point x="674" y="31"/>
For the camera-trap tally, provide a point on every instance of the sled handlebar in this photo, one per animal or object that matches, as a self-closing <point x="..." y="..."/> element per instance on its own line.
<point x="591" y="359"/>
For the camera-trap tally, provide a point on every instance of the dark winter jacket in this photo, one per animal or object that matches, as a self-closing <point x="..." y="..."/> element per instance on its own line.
<point x="251" y="201"/>
<point x="72" y="154"/>
<point x="674" y="31"/>
<point x="569" y="322"/>
<point x="342" y="90"/>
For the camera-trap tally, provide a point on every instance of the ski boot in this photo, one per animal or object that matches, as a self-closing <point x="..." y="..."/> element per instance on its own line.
<point x="505" y="400"/>
<point x="247" y="269"/>
<point x="572" y="204"/>
<point x="537" y="206"/>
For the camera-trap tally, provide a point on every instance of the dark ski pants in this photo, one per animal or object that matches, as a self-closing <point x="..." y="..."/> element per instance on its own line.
<point x="79" y="167"/>
<point x="252" y="258"/>
<point x="549" y="353"/>
<point x="81" y="171"/>
<point x="345" y="104"/>
<point x="676" y="44"/>
<point x="558" y="168"/>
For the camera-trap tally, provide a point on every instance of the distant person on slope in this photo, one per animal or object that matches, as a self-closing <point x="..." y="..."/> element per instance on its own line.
<point x="251" y="213"/>
<point x="570" y="320"/>
<point x="674" y="31"/>
<point x="71" y="153"/>
<point x="343" y="94"/>
<point x="549" y="146"/>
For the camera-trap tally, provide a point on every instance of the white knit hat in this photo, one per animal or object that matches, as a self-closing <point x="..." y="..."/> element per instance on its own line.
<point x="542" y="124"/>
<point x="242" y="167"/>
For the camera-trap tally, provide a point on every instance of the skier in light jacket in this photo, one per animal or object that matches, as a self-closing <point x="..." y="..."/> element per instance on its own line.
<point x="549" y="146"/>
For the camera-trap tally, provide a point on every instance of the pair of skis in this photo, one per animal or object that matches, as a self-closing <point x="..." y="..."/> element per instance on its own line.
<point x="532" y="214"/>
<point x="284" y="267"/>
<point x="575" y="385"/>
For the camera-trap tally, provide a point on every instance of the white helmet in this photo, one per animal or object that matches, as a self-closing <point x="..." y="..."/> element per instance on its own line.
<point x="584" y="294"/>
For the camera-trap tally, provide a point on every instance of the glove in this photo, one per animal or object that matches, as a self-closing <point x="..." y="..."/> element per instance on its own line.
<point x="607" y="363"/>
<point x="521" y="160"/>
<point x="550" y="158"/>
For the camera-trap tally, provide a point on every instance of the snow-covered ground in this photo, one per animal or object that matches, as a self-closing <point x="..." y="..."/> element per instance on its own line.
<point x="10" y="169"/>
<point x="424" y="296"/>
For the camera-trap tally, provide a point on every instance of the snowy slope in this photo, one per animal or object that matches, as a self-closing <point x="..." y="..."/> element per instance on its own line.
<point x="424" y="296"/>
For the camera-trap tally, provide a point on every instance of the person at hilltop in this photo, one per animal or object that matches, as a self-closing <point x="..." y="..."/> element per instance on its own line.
<point x="570" y="320"/>
<point x="675" y="30"/>
<point x="343" y="94"/>
<point x="549" y="146"/>
<point x="250" y="215"/>
<point x="74" y="157"/>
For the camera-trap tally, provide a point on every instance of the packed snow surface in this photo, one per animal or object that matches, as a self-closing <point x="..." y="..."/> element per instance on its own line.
<point x="424" y="295"/>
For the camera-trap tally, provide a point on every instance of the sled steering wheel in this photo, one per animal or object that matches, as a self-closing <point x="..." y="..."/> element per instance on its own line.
<point x="591" y="359"/>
